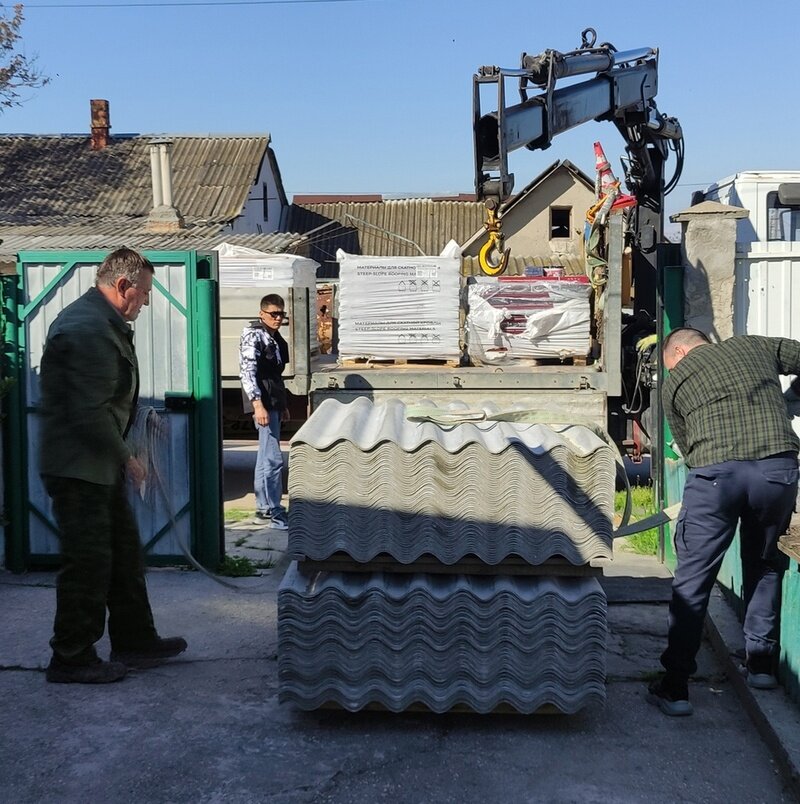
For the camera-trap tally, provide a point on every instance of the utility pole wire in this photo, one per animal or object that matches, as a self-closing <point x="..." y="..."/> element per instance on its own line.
<point x="172" y="4"/>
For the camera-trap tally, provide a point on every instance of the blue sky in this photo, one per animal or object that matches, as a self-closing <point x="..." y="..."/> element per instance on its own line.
<point x="376" y="96"/>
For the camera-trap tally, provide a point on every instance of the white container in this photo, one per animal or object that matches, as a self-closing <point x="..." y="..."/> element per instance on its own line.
<point x="751" y="190"/>
<point x="245" y="276"/>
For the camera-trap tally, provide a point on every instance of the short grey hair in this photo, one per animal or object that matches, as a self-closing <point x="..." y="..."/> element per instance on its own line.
<point x="122" y="263"/>
<point x="685" y="336"/>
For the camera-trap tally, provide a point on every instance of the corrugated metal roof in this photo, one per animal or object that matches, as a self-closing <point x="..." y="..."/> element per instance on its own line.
<point x="58" y="175"/>
<point x="572" y="265"/>
<point x="113" y="233"/>
<point x="383" y="228"/>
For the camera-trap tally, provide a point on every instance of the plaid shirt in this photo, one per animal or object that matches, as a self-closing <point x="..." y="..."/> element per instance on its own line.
<point x="724" y="401"/>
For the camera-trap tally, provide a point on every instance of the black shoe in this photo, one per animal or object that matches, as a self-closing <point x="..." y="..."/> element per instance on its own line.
<point x="150" y="654"/>
<point x="760" y="671"/>
<point x="671" y="696"/>
<point x="96" y="672"/>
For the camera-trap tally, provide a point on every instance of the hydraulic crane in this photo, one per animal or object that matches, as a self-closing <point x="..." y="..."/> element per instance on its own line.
<point x="622" y="90"/>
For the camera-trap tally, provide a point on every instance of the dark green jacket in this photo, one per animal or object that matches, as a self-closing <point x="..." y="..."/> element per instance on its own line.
<point x="89" y="387"/>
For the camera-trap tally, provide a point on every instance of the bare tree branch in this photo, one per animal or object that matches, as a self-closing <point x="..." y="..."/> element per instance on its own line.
<point x="17" y="71"/>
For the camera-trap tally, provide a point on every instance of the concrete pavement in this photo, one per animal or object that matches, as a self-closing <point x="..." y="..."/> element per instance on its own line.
<point x="208" y="727"/>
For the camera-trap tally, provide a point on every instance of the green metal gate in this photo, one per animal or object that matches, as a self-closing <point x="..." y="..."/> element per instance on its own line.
<point x="177" y="346"/>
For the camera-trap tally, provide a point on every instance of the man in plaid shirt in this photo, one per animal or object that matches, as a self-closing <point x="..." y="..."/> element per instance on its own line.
<point x="729" y="417"/>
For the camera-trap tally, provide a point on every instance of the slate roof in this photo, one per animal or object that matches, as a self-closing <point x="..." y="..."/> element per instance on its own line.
<point x="58" y="175"/>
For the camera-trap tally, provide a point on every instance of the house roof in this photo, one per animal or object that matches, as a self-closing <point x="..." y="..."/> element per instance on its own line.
<point x="43" y="177"/>
<point x="382" y="228"/>
<point x="517" y="263"/>
<point x="560" y="164"/>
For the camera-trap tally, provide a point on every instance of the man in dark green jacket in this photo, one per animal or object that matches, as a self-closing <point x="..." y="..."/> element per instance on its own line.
<point x="89" y="389"/>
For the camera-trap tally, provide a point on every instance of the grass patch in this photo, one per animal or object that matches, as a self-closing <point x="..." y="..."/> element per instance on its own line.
<point x="237" y="515"/>
<point x="240" y="541"/>
<point x="237" y="567"/>
<point x="643" y="504"/>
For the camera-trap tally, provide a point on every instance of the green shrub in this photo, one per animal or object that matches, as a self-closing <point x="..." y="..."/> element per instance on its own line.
<point x="642" y="505"/>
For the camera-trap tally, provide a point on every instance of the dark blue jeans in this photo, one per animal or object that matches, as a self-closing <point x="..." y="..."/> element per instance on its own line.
<point x="758" y="496"/>
<point x="268" y="479"/>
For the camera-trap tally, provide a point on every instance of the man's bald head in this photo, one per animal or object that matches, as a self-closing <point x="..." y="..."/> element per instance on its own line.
<point x="679" y="343"/>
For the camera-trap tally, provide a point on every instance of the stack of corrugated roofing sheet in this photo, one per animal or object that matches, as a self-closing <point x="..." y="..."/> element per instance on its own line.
<point x="441" y="640"/>
<point x="365" y="481"/>
<point x="477" y="500"/>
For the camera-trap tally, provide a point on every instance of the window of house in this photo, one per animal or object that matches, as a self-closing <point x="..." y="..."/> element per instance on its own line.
<point x="265" y="199"/>
<point x="783" y="222"/>
<point x="560" y="222"/>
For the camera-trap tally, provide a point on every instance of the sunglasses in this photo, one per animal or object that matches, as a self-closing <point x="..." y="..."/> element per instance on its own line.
<point x="274" y="313"/>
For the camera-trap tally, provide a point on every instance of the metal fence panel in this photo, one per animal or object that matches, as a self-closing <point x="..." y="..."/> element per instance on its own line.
<point x="173" y="359"/>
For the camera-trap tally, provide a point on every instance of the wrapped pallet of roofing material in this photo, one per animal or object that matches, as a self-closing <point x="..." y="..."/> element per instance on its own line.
<point x="245" y="276"/>
<point x="528" y="317"/>
<point x="400" y="308"/>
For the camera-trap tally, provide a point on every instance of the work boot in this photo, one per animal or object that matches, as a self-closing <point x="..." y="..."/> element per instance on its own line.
<point x="149" y="654"/>
<point x="760" y="670"/>
<point x="671" y="696"/>
<point x="95" y="672"/>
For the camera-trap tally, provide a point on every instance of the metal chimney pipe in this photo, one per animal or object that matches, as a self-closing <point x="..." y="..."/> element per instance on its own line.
<point x="101" y="123"/>
<point x="155" y="173"/>
<point x="166" y="172"/>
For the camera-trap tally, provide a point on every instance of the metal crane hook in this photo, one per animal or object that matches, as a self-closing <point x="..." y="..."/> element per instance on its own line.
<point x="493" y="258"/>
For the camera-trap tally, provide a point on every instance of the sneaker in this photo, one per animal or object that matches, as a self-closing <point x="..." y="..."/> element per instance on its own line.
<point x="260" y="516"/>
<point x="670" y="696"/>
<point x="760" y="672"/>
<point x="279" y="523"/>
<point x="150" y="654"/>
<point x="96" y="672"/>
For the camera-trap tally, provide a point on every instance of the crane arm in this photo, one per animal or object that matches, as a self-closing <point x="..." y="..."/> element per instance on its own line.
<point x="622" y="90"/>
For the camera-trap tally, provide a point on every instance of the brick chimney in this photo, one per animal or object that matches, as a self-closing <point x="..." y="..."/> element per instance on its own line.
<point x="101" y="123"/>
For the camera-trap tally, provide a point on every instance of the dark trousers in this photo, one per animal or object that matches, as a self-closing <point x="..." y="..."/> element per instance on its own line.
<point x="102" y="569"/>
<point x="757" y="495"/>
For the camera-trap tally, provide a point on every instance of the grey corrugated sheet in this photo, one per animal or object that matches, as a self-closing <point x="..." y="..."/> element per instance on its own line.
<point x="365" y="480"/>
<point x="46" y="176"/>
<point x="109" y="234"/>
<point x="365" y="425"/>
<point x="442" y="641"/>
<point x="428" y="223"/>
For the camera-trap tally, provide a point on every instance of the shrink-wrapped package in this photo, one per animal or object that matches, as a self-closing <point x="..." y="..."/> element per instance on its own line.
<point x="399" y="308"/>
<point x="528" y="317"/>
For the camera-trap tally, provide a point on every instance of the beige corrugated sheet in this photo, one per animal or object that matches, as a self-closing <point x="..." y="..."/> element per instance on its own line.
<point x="573" y="266"/>
<point x="384" y="228"/>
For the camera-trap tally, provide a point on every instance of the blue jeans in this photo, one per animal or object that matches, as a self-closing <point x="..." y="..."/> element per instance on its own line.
<point x="758" y="496"/>
<point x="269" y="468"/>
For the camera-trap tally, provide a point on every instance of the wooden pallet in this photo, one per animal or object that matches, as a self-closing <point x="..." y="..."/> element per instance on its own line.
<point x="513" y="565"/>
<point x="373" y="362"/>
